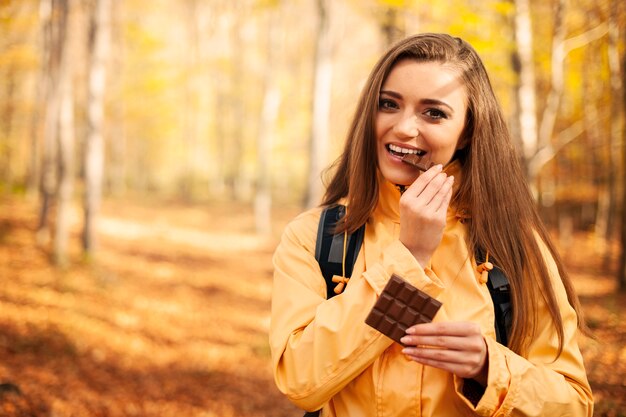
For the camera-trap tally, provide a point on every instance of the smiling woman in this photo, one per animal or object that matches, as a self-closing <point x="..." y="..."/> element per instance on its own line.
<point x="429" y="98"/>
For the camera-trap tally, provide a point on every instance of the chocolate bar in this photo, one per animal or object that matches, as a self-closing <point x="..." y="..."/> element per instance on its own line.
<point x="399" y="307"/>
<point x="417" y="161"/>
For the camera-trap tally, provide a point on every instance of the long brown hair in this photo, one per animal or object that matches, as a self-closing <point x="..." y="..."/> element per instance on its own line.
<point x="504" y="217"/>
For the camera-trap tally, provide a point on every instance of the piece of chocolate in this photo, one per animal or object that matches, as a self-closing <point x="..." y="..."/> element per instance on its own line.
<point x="417" y="161"/>
<point x="399" y="307"/>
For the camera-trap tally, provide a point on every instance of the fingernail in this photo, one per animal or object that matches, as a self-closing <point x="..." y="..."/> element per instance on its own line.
<point x="404" y="340"/>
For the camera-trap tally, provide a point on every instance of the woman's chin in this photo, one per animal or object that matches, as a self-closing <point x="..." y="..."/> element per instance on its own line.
<point x="397" y="172"/>
<point x="401" y="179"/>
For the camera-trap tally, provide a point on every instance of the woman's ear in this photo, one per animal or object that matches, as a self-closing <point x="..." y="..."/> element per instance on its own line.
<point x="463" y="141"/>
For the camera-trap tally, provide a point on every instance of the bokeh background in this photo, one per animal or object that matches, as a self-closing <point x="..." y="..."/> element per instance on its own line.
<point x="151" y="152"/>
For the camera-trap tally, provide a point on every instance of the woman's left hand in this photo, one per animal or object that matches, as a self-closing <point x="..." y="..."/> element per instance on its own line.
<point x="456" y="347"/>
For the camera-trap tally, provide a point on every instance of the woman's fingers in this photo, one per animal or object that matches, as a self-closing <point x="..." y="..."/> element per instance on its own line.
<point x="450" y="328"/>
<point x="422" y="181"/>
<point x="457" y="347"/>
<point x="445" y="194"/>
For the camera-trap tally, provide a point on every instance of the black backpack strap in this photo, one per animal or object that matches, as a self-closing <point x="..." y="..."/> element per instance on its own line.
<point x="500" y="291"/>
<point x="329" y="247"/>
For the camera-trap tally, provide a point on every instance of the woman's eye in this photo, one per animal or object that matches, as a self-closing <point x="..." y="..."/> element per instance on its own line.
<point x="436" y="114"/>
<point x="386" y="104"/>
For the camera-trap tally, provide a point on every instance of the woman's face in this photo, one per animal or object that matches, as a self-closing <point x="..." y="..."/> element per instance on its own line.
<point x="421" y="110"/>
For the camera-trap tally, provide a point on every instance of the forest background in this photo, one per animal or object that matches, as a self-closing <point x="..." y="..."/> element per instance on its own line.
<point x="152" y="151"/>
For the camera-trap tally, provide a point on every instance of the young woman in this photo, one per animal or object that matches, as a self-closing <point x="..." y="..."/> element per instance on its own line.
<point x="429" y="95"/>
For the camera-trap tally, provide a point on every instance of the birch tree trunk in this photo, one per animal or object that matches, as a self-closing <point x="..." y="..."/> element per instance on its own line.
<point x="232" y="133"/>
<point x="40" y="107"/>
<point x="54" y="14"/>
<point x="190" y="107"/>
<point x="99" y="44"/>
<point x="526" y="74"/>
<point x="117" y="161"/>
<point x="66" y="139"/>
<point x="269" y="114"/>
<point x="320" y="129"/>
<point x="551" y="109"/>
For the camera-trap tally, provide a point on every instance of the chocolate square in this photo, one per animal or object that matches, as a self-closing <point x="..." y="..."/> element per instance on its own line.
<point x="417" y="161"/>
<point x="399" y="307"/>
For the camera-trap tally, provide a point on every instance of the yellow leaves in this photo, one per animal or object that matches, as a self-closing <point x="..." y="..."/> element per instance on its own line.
<point x="503" y="7"/>
<point x="393" y="3"/>
<point x="19" y="56"/>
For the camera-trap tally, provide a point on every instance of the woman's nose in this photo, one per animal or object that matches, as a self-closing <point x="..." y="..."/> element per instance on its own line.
<point x="407" y="127"/>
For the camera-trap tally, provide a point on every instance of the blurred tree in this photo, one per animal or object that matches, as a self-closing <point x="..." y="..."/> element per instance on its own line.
<point x="99" y="45"/>
<point x="66" y="147"/>
<point x="319" y="144"/>
<point x="539" y="141"/>
<point x="54" y="15"/>
<point x="117" y="161"/>
<point x="232" y="106"/>
<point x="392" y="24"/>
<point x="269" y="115"/>
<point x="41" y="103"/>
<point x="9" y="91"/>
<point x="191" y="101"/>
<point x="622" y="259"/>
<point x="617" y="112"/>
<point x="525" y="69"/>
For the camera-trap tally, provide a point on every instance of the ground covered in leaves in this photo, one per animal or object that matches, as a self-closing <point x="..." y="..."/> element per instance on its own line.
<point x="171" y="318"/>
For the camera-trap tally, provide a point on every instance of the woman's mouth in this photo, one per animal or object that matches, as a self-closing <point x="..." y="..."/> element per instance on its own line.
<point x="400" y="151"/>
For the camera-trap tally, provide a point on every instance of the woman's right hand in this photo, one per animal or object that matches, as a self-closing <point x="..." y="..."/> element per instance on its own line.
<point x="423" y="208"/>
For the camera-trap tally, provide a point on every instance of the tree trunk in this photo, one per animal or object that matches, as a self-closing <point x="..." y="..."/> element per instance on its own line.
<point x="190" y="107"/>
<point x="617" y="124"/>
<point x="65" y="160"/>
<point x="551" y="109"/>
<point x="99" y="39"/>
<point x="54" y="14"/>
<point x="269" y="114"/>
<point x="117" y="162"/>
<point x="41" y="102"/>
<point x="622" y="262"/>
<point x="321" y="107"/>
<point x="6" y="175"/>
<point x="233" y="133"/>
<point x="526" y="95"/>
<point x="392" y="25"/>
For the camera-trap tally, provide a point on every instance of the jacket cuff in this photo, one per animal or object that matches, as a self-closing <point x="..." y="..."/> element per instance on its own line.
<point x="498" y="382"/>
<point x="397" y="259"/>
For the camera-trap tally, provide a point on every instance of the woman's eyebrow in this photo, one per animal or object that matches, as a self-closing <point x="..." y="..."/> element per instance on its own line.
<point x="391" y="93"/>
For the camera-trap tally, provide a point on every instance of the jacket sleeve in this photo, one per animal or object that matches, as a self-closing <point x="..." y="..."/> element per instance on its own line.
<point x="538" y="385"/>
<point x="318" y="346"/>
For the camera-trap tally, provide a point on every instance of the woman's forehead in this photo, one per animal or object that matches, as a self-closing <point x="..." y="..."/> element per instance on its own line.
<point x="419" y="80"/>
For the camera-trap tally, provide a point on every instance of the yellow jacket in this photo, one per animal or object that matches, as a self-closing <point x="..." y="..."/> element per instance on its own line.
<point x="324" y="355"/>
